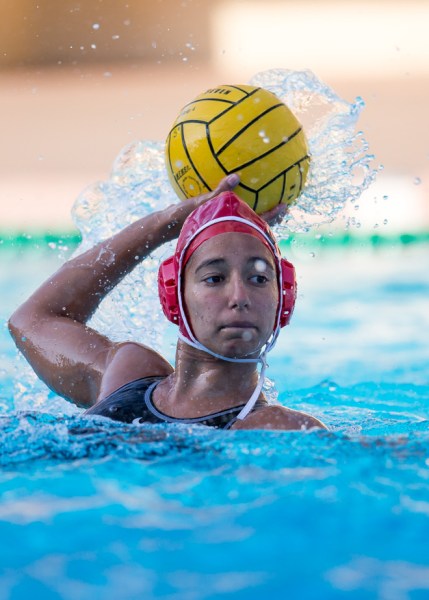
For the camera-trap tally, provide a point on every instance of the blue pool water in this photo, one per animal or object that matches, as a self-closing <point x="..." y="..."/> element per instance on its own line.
<point x="92" y="508"/>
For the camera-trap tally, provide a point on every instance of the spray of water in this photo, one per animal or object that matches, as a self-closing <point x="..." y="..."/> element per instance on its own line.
<point x="340" y="171"/>
<point x="341" y="165"/>
<point x="138" y="186"/>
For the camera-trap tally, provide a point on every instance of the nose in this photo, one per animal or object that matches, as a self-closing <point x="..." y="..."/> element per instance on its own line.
<point x="238" y="293"/>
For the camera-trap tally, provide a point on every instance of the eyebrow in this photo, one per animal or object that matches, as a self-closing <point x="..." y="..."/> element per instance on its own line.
<point x="211" y="262"/>
<point x="214" y="262"/>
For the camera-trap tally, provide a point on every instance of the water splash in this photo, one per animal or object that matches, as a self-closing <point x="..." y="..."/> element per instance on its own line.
<point x="340" y="171"/>
<point x="138" y="186"/>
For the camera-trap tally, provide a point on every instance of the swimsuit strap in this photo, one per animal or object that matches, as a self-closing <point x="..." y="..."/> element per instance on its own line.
<point x="132" y="403"/>
<point x="223" y="419"/>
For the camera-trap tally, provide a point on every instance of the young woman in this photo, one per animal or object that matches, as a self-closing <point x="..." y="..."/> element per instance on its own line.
<point x="227" y="288"/>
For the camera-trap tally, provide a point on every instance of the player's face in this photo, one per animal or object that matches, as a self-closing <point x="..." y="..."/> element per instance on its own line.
<point x="231" y="294"/>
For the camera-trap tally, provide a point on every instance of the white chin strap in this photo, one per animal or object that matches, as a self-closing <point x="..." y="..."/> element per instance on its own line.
<point x="262" y="358"/>
<point x="256" y="392"/>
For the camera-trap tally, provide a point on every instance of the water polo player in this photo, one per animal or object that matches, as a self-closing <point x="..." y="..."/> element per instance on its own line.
<point x="226" y="287"/>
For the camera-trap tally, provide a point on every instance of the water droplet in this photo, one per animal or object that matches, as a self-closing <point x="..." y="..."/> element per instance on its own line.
<point x="417" y="181"/>
<point x="153" y="44"/>
<point x="93" y="46"/>
<point x="260" y="265"/>
<point x="178" y="164"/>
<point x="96" y="26"/>
<point x="246" y="335"/>
<point x="115" y="37"/>
<point x="312" y="254"/>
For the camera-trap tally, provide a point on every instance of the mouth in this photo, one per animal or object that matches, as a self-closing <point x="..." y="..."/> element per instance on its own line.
<point x="239" y="325"/>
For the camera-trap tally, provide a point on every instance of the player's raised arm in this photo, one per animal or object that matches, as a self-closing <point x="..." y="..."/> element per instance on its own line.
<point x="50" y="327"/>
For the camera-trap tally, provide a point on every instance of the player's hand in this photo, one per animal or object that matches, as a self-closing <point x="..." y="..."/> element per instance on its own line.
<point x="272" y="217"/>
<point x="177" y="213"/>
<point x="275" y="215"/>
<point x="226" y="184"/>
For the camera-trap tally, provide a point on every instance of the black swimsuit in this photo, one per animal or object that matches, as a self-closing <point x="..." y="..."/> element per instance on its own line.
<point x="134" y="401"/>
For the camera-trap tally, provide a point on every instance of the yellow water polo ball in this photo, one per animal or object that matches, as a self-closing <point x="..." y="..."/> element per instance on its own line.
<point x="238" y="129"/>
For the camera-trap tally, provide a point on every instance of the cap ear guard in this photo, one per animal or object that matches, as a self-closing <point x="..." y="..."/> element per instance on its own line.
<point x="167" y="289"/>
<point x="288" y="291"/>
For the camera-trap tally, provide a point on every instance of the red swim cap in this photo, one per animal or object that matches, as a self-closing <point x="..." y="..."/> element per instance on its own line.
<point x="224" y="213"/>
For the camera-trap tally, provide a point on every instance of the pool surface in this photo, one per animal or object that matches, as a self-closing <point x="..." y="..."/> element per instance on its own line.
<point x="93" y="508"/>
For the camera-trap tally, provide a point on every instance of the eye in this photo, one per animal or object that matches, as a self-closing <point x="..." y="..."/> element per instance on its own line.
<point x="259" y="279"/>
<point x="213" y="279"/>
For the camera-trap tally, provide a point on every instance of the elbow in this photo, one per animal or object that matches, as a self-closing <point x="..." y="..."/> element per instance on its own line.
<point x="14" y="325"/>
<point x="20" y="324"/>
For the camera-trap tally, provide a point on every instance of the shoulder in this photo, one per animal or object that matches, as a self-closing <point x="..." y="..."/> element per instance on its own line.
<point x="279" y="417"/>
<point x="129" y="361"/>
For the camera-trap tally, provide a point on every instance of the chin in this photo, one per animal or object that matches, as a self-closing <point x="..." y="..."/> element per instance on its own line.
<point x="234" y="347"/>
<point x="237" y="351"/>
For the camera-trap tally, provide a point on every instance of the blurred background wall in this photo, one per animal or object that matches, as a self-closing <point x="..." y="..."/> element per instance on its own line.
<point x="80" y="80"/>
